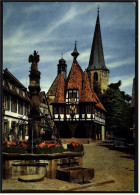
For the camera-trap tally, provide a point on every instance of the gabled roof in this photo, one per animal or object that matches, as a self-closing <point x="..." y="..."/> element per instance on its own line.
<point x="87" y="94"/>
<point x="74" y="80"/>
<point x="60" y="93"/>
<point x="77" y="79"/>
<point x="96" y="60"/>
<point x="98" y="104"/>
<point x="54" y="86"/>
<point x="8" y="75"/>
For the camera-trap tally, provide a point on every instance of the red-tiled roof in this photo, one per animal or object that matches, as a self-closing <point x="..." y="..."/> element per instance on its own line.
<point x="99" y="104"/>
<point x="60" y="93"/>
<point x="87" y="94"/>
<point x="74" y="80"/>
<point x="54" y="86"/>
<point x="77" y="79"/>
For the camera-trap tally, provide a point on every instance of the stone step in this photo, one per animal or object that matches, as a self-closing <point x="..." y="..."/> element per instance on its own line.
<point x="31" y="178"/>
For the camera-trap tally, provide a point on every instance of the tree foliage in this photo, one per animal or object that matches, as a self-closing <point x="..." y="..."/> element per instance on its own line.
<point x="117" y="105"/>
<point x="97" y="88"/>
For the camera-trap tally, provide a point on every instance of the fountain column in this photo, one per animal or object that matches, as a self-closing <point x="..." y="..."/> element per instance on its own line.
<point x="34" y="90"/>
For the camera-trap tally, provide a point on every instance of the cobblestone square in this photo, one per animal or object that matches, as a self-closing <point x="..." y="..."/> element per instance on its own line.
<point x="114" y="171"/>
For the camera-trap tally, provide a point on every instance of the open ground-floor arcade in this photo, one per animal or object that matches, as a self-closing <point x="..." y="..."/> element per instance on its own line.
<point x="84" y="130"/>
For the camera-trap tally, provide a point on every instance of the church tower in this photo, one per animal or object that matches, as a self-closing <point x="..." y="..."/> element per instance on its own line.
<point x="97" y="70"/>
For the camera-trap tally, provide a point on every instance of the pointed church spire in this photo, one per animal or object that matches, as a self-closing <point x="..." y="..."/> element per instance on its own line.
<point x="96" y="60"/>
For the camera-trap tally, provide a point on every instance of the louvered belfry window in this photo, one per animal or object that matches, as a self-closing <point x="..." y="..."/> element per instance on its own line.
<point x="95" y="76"/>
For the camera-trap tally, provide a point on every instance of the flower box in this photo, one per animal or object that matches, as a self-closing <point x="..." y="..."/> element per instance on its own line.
<point x="14" y="149"/>
<point x="50" y="150"/>
<point x="75" y="146"/>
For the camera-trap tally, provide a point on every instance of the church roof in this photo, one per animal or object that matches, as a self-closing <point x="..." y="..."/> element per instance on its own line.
<point x="96" y="60"/>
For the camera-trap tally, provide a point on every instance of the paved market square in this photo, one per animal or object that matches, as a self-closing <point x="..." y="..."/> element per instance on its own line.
<point x="114" y="171"/>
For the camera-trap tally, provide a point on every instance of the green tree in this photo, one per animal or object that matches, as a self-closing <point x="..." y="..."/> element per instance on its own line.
<point x="97" y="88"/>
<point x="117" y="105"/>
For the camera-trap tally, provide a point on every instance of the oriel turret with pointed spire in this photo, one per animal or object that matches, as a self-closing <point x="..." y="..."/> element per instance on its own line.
<point x="75" y="53"/>
<point x="62" y="67"/>
<point x="97" y="70"/>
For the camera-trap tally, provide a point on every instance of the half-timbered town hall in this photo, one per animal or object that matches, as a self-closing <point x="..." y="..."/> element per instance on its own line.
<point x="76" y="109"/>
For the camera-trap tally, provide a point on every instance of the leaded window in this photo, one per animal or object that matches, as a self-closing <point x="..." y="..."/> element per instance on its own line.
<point x="72" y="96"/>
<point x="26" y="109"/>
<point x="61" y="109"/>
<point x="20" y="107"/>
<point x="55" y="110"/>
<point x="6" y="103"/>
<point x="88" y="109"/>
<point x="95" y="112"/>
<point x="13" y="105"/>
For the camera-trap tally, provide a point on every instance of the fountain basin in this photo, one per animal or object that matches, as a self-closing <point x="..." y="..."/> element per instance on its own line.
<point x="31" y="178"/>
<point x="75" y="174"/>
<point x="15" y="165"/>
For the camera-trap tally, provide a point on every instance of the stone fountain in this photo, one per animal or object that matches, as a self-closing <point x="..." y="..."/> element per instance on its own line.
<point x="32" y="163"/>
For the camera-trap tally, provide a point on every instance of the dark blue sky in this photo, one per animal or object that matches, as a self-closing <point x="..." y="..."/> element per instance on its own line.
<point x="51" y="28"/>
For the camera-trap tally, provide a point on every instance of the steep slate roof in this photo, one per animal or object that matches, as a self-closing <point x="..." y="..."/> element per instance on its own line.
<point x="60" y="93"/>
<point x="87" y="94"/>
<point x="74" y="80"/>
<point x="96" y="60"/>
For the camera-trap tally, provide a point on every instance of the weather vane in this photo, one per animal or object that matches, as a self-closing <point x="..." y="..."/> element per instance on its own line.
<point x="76" y="43"/>
<point x="98" y="8"/>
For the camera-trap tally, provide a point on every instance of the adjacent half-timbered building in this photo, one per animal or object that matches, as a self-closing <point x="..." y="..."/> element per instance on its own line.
<point x="16" y="105"/>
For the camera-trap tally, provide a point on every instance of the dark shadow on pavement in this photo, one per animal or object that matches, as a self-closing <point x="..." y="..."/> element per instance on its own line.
<point x="129" y="157"/>
<point x="130" y="151"/>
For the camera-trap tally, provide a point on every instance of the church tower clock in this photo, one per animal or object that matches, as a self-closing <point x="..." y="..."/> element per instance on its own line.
<point x="97" y="70"/>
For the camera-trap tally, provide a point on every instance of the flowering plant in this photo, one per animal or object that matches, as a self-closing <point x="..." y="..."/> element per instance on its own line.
<point x="15" y="147"/>
<point x="20" y="143"/>
<point x="49" y="146"/>
<point x="75" y="146"/>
